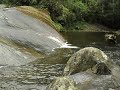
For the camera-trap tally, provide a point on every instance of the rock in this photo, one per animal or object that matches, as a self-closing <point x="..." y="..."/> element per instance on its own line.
<point x="84" y="81"/>
<point x="11" y="56"/>
<point x="90" y="81"/>
<point x="88" y="58"/>
<point x="28" y="31"/>
<point x="111" y="38"/>
<point x="62" y="83"/>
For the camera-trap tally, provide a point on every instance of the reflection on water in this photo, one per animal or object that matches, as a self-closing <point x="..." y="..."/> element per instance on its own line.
<point x="83" y="39"/>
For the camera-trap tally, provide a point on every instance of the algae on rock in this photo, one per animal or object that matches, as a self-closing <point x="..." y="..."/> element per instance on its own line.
<point x="62" y="83"/>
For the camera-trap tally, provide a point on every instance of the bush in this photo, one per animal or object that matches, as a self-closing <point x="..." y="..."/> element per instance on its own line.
<point x="70" y="13"/>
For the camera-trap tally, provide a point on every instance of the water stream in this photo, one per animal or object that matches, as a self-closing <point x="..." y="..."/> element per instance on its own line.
<point x="40" y="72"/>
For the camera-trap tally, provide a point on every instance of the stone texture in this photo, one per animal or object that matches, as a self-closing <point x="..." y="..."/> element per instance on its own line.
<point x="88" y="58"/>
<point x="62" y="83"/>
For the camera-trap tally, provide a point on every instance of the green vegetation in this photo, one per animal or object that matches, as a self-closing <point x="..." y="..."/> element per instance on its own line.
<point x="73" y="14"/>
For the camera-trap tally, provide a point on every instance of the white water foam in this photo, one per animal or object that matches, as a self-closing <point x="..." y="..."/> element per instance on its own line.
<point x="61" y="43"/>
<point x="66" y="45"/>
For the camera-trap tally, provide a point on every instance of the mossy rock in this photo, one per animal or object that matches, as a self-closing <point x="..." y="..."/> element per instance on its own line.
<point x="88" y="58"/>
<point x="62" y="83"/>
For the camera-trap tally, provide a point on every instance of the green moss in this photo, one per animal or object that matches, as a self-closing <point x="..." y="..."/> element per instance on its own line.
<point x="58" y="26"/>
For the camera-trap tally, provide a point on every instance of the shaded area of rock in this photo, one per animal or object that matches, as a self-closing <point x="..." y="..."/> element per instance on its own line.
<point x="59" y="56"/>
<point x="87" y="58"/>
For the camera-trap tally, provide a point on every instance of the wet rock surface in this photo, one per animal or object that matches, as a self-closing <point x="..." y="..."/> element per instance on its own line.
<point x="13" y="57"/>
<point x="28" y="31"/>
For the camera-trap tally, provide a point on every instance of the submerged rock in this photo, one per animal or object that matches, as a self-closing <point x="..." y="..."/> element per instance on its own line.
<point x="62" y="83"/>
<point x="111" y="38"/>
<point x="86" y="59"/>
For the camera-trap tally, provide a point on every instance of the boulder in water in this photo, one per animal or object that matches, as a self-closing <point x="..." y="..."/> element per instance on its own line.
<point x="111" y="38"/>
<point x="62" y="83"/>
<point x="86" y="59"/>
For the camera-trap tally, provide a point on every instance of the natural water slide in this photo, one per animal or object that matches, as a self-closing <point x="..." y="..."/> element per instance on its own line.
<point x="25" y="31"/>
<point x="29" y="31"/>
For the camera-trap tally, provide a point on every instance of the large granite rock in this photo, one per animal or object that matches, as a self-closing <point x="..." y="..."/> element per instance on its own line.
<point x="28" y="31"/>
<point x="88" y="58"/>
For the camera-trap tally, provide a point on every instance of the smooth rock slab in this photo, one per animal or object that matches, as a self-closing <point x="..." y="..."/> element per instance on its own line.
<point x="11" y="56"/>
<point x="29" y="31"/>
